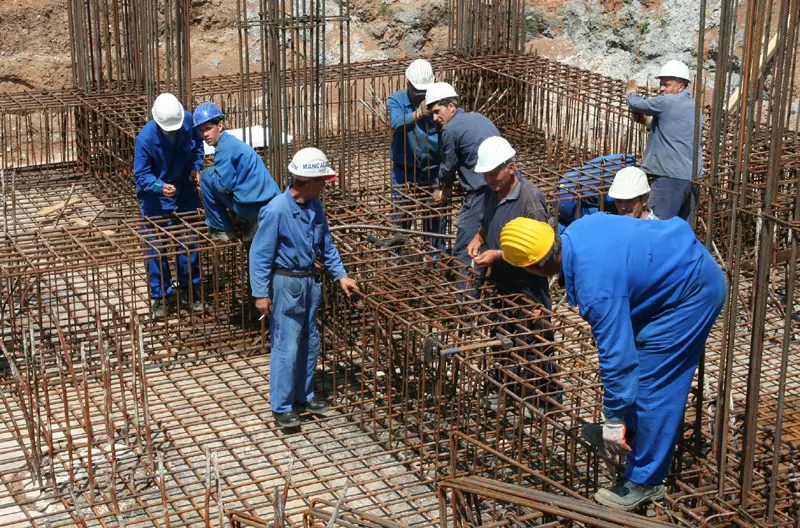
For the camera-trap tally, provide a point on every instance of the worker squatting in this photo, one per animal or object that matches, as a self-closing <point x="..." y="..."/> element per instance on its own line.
<point x="651" y="302"/>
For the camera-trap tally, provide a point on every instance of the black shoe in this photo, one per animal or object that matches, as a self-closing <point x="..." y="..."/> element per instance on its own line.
<point x="287" y="420"/>
<point x="160" y="308"/>
<point x="315" y="406"/>
<point x="197" y="303"/>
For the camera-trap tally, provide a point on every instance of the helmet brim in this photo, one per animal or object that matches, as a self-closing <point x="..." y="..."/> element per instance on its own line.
<point x="171" y="128"/>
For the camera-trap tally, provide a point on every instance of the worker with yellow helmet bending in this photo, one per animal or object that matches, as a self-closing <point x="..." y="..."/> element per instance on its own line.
<point x="651" y="304"/>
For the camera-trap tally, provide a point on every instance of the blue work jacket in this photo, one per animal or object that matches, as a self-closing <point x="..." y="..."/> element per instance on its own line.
<point x="241" y="172"/>
<point x="460" y="139"/>
<point x="292" y="238"/>
<point x="158" y="161"/>
<point x="414" y="145"/>
<point x="669" y="149"/>
<point x="650" y="271"/>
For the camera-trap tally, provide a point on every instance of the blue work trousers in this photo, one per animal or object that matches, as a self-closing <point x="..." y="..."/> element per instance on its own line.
<point x="670" y="348"/>
<point x="157" y="263"/>
<point x="295" y="340"/>
<point x="218" y="202"/>
<point x="470" y="217"/>
<point x="670" y="197"/>
<point x="400" y="177"/>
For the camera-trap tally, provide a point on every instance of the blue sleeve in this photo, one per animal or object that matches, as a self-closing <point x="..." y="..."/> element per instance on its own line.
<point x="225" y="169"/>
<point x="330" y="255"/>
<point x="649" y="106"/>
<point x="199" y="152"/>
<point x="263" y="252"/>
<point x="447" y="168"/>
<point x="143" y="175"/>
<point x="610" y="319"/>
<point x="397" y="114"/>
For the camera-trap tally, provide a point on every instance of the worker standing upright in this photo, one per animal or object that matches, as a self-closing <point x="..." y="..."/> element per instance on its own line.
<point x="670" y="150"/>
<point x="511" y="196"/>
<point x="168" y="156"/>
<point x="460" y="135"/>
<point x="292" y="235"/>
<point x="651" y="303"/>
<point x="630" y="192"/>
<point x="238" y="181"/>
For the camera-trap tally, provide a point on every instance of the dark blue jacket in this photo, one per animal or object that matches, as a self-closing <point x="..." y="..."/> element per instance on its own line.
<point x="414" y="145"/>
<point x="460" y="139"/>
<point x="157" y="161"/>
<point x="623" y="273"/>
<point x="241" y="172"/>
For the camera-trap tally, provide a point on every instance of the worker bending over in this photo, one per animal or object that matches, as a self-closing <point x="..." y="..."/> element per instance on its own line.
<point x="238" y="182"/>
<point x="630" y="192"/>
<point x="460" y="135"/>
<point x="292" y="234"/>
<point x="651" y="302"/>
<point x="510" y="196"/>
<point x="670" y="150"/>
<point x="169" y="155"/>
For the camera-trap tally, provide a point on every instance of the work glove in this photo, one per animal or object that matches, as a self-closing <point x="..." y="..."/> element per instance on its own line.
<point x="614" y="438"/>
<point x="421" y="112"/>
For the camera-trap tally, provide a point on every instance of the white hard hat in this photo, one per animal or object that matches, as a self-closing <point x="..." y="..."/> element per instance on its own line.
<point x="311" y="163"/>
<point x="674" y="68"/>
<point x="420" y="74"/>
<point x="439" y="91"/>
<point x="168" y="112"/>
<point x="629" y="183"/>
<point x="492" y="152"/>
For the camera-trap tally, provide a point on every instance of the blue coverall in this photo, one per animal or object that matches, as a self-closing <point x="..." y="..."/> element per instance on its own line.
<point x="239" y="181"/>
<point x="460" y="139"/>
<point x="291" y="238"/>
<point x="157" y="161"/>
<point x="414" y="151"/>
<point x="651" y="303"/>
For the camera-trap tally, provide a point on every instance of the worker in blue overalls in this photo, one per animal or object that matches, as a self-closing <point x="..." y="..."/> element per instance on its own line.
<point x="168" y="157"/>
<point x="651" y="303"/>
<point x="292" y="235"/>
<point x="415" y="139"/>
<point x="238" y="182"/>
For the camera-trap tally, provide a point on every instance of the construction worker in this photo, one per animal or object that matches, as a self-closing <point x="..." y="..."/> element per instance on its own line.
<point x="460" y="135"/>
<point x="670" y="149"/>
<point x="292" y="235"/>
<point x="630" y="192"/>
<point x="238" y="182"/>
<point x="169" y="155"/>
<point x="651" y="302"/>
<point x="511" y="196"/>
<point x="415" y="139"/>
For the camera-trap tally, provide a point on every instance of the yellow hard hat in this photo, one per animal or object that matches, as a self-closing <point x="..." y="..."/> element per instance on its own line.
<point x="525" y="241"/>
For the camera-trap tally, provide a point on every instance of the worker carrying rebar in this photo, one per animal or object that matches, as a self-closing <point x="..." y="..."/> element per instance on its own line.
<point x="630" y="192"/>
<point x="292" y="235"/>
<point x="669" y="153"/>
<point x="511" y="196"/>
<point x="651" y="301"/>
<point x="169" y="155"/>
<point x="238" y="181"/>
<point x="461" y="133"/>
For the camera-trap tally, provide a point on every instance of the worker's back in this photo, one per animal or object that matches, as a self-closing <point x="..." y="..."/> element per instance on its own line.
<point x="242" y="172"/>
<point x="652" y="264"/>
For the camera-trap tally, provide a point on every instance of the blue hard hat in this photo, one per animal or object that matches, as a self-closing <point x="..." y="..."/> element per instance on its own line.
<point x="206" y="112"/>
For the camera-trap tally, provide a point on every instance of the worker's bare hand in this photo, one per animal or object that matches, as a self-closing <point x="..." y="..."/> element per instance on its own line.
<point x="637" y="117"/>
<point x="631" y="87"/>
<point x="195" y="177"/>
<point x="487" y="258"/>
<point x="349" y="286"/>
<point x="474" y="246"/>
<point x="264" y="305"/>
<point x="168" y="190"/>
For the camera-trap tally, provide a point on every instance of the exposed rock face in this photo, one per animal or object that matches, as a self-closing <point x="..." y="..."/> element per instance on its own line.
<point x="620" y="38"/>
